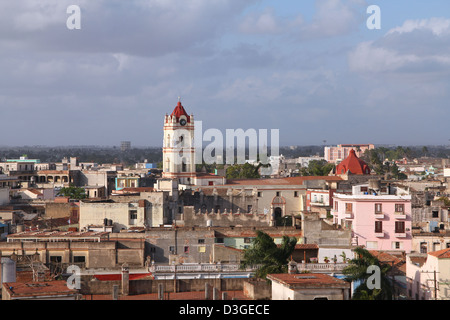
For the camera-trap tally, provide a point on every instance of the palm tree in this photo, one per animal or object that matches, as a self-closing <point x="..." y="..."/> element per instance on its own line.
<point x="267" y="255"/>
<point x="357" y="271"/>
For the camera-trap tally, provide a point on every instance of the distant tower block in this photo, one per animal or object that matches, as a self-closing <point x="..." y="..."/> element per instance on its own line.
<point x="125" y="145"/>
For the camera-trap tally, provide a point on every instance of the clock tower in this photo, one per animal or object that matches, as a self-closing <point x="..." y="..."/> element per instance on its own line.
<point x="178" y="146"/>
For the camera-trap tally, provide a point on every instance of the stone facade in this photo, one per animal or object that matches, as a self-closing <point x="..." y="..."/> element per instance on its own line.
<point x="150" y="209"/>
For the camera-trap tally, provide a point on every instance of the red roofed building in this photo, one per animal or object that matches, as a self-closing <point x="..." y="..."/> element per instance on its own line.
<point x="352" y="164"/>
<point x="48" y="290"/>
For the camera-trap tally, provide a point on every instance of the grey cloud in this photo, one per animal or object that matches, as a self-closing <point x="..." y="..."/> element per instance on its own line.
<point x="135" y="27"/>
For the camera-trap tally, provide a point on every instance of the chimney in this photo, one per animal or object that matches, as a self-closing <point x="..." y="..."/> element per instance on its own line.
<point x="292" y="267"/>
<point x="160" y="291"/>
<point x="125" y="280"/>
<point x="115" y="295"/>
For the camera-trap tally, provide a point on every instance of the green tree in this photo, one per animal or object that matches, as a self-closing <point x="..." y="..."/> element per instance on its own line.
<point x="396" y="174"/>
<point x="357" y="271"/>
<point x="317" y="168"/>
<point x="424" y="151"/>
<point x="267" y="255"/>
<point x="243" y="171"/>
<point x="72" y="192"/>
<point x="446" y="201"/>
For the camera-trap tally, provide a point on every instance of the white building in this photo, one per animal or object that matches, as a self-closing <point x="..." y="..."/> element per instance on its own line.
<point x="308" y="286"/>
<point x="428" y="276"/>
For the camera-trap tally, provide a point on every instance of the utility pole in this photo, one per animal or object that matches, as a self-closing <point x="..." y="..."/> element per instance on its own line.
<point x="435" y="286"/>
<point x="434" y="280"/>
<point x="393" y="280"/>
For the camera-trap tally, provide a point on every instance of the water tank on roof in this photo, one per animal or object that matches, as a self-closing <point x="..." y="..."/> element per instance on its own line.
<point x="209" y="223"/>
<point x="8" y="270"/>
<point x="374" y="184"/>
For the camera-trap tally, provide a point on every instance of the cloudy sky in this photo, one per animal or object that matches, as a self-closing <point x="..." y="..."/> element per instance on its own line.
<point x="311" y="69"/>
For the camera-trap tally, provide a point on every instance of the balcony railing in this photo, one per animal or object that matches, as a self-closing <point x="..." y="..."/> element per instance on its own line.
<point x="321" y="267"/>
<point x="400" y="234"/>
<point x="198" y="268"/>
<point x="379" y="234"/>
<point x="400" y="215"/>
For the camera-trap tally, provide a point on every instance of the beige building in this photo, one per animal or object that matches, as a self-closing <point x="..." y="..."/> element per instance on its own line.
<point x="275" y="201"/>
<point x="59" y="249"/>
<point x="149" y="209"/>
<point x="425" y="242"/>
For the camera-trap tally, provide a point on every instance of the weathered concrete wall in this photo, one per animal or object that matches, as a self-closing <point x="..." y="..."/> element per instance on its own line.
<point x="226" y="254"/>
<point x="257" y="289"/>
<point x="320" y="232"/>
<point x="58" y="210"/>
<point x="97" y="254"/>
<point x="182" y="245"/>
<point x="223" y="219"/>
<point x="151" y="286"/>
<point x="130" y="256"/>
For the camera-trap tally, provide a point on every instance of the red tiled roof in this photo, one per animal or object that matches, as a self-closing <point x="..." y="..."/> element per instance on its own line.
<point x="47" y="288"/>
<point x="441" y="254"/>
<point x="36" y="192"/>
<point x="179" y="111"/>
<point x="385" y="257"/>
<point x="308" y="280"/>
<point x="390" y="259"/>
<point x="418" y="260"/>
<point x="353" y="164"/>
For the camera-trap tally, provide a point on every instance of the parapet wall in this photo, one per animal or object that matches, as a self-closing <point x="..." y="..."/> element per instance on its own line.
<point x="190" y="217"/>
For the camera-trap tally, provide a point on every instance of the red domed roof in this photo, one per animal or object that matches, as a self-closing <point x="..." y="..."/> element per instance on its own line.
<point x="353" y="164"/>
<point x="179" y="111"/>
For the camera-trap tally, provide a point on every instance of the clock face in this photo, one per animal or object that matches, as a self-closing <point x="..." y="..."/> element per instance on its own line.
<point x="183" y="122"/>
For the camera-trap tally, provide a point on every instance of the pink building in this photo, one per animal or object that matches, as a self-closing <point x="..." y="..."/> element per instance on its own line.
<point x="342" y="151"/>
<point x="379" y="221"/>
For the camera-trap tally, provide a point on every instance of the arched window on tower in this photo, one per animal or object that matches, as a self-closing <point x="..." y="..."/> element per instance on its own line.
<point x="183" y="166"/>
<point x="181" y="140"/>
<point x="168" y="141"/>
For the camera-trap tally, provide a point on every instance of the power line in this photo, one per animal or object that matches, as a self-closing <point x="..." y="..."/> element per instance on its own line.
<point x="434" y="280"/>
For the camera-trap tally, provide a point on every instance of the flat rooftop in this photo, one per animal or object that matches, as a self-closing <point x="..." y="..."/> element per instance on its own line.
<point x="59" y="236"/>
<point x="308" y="280"/>
<point x="38" y="289"/>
